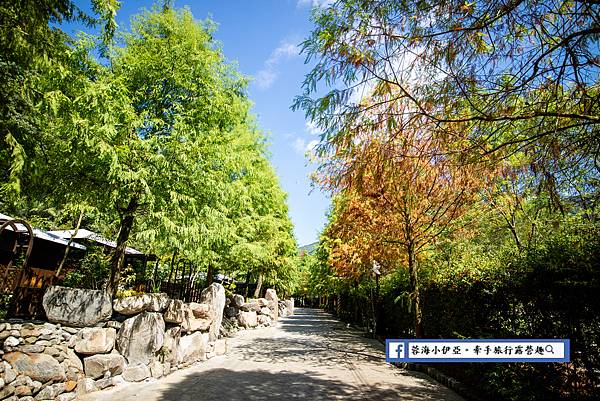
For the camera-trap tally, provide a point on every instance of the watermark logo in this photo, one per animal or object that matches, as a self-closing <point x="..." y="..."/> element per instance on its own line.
<point x="485" y="350"/>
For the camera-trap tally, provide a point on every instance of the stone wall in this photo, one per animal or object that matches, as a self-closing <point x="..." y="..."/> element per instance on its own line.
<point x="91" y="343"/>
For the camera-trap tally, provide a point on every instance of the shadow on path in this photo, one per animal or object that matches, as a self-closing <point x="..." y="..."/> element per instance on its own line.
<point x="225" y="384"/>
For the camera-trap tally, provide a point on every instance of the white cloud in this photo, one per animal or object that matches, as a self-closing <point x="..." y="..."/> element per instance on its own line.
<point x="266" y="77"/>
<point x="312" y="128"/>
<point x="302" y="147"/>
<point x="313" y="3"/>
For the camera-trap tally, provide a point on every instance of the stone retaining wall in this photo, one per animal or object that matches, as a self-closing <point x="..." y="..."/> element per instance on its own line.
<point x="91" y="343"/>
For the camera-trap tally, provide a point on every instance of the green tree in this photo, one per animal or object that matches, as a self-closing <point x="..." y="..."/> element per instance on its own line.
<point x="523" y="74"/>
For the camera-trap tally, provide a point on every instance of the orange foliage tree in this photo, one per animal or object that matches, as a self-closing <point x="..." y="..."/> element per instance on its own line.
<point x="400" y="185"/>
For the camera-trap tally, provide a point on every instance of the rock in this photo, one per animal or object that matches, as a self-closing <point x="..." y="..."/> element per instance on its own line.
<point x="191" y="323"/>
<point x="193" y="347"/>
<point x="118" y="380"/>
<point x="214" y="295"/>
<point x="23" y="380"/>
<point x="30" y="332"/>
<point x="265" y="311"/>
<point x="247" y="319"/>
<point x="74" y="374"/>
<point x="97" y="365"/>
<point x="9" y="373"/>
<point x="175" y="312"/>
<point x="113" y="324"/>
<point x="201" y="310"/>
<point x="52" y="352"/>
<point x="141" y="337"/>
<point x="283" y="312"/>
<point x="11" y="343"/>
<point x="170" y="349"/>
<point x="36" y="386"/>
<point x="95" y="340"/>
<point x="32" y="349"/>
<point x="221" y="346"/>
<point x="71" y="330"/>
<point x="251" y="307"/>
<point x="21" y="391"/>
<point x="66" y="397"/>
<point x="76" y="307"/>
<point x="73" y="360"/>
<point x="237" y="301"/>
<point x="262" y="302"/>
<point x="156" y="369"/>
<point x="51" y="392"/>
<point x="289" y="304"/>
<point x="104" y="383"/>
<point x="86" y="386"/>
<point x="136" y="373"/>
<point x="40" y="367"/>
<point x="231" y="311"/>
<point x="70" y="385"/>
<point x="271" y="297"/>
<point x="141" y="303"/>
<point x="7" y="391"/>
<point x="264" y="320"/>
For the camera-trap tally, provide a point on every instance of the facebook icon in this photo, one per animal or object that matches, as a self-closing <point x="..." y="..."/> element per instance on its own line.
<point x="395" y="350"/>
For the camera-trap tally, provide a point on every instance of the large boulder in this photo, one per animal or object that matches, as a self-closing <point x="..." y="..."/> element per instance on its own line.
<point x="141" y="303"/>
<point x="39" y="367"/>
<point x="251" y="307"/>
<point x="191" y="323"/>
<point x="141" y="337"/>
<point x="247" y="319"/>
<point x="170" y="348"/>
<point x="76" y="307"/>
<point x="273" y="303"/>
<point x="136" y="373"/>
<point x="97" y="365"/>
<point x="282" y="310"/>
<point x="214" y="296"/>
<point x="95" y="340"/>
<point x="237" y="300"/>
<point x="202" y="311"/>
<point x="263" y="320"/>
<point x="175" y="312"/>
<point x="262" y="302"/>
<point x="289" y="304"/>
<point x="193" y="348"/>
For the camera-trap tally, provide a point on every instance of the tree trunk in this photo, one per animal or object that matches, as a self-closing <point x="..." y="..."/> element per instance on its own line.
<point x="209" y="274"/>
<point x="414" y="283"/>
<point x="118" y="258"/>
<point x="258" y="286"/>
<point x="247" y="285"/>
<point x="66" y="254"/>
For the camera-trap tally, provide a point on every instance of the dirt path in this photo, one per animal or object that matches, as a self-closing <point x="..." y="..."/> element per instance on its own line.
<point x="308" y="356"/>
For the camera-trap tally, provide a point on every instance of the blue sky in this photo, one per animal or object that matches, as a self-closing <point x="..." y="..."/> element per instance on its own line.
<point x="262" y="37"/>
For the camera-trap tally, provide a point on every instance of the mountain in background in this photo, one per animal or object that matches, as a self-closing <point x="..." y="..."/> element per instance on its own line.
<point x="309" y="249"/>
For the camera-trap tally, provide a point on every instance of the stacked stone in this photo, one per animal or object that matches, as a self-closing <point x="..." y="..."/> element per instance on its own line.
<point x="261" y="312"/>
<point x="37" y="361"/>
<point x="82" y="350"/>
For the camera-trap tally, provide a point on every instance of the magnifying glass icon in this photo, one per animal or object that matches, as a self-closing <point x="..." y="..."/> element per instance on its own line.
<point x="549" y="349"/>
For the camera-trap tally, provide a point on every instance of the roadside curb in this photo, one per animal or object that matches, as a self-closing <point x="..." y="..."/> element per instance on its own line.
<point x="442" y="378"/>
